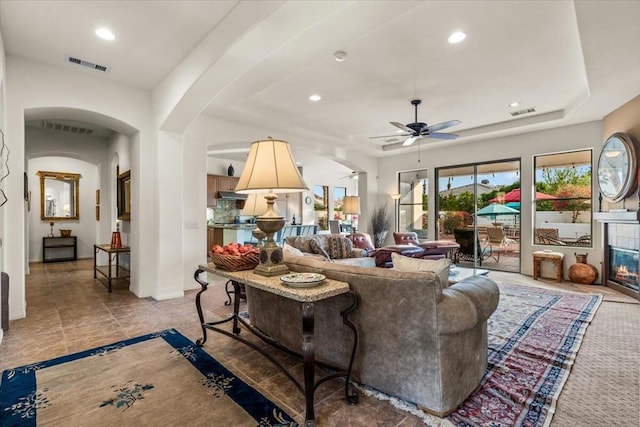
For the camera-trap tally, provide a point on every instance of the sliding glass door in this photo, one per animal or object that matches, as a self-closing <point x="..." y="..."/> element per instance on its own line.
<point x="478" y="206"/>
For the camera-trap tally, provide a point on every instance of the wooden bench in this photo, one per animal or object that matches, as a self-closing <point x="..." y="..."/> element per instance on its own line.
<point x="556" y="258"/>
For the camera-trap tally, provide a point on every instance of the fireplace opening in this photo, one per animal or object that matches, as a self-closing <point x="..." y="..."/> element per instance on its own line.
<point x="623" y="265"/>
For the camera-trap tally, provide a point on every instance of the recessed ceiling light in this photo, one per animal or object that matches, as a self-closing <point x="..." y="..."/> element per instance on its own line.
<point x="105" y="34"/>
<point x="514" y="104"/>
<point x="315" y="98"/>
<point x="457" y="37"/>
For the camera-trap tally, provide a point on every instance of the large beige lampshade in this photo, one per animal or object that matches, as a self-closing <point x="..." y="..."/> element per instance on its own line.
<point x="255" y="205"/>
<point x="351" y="205"/>
<point x="270" y="168"/>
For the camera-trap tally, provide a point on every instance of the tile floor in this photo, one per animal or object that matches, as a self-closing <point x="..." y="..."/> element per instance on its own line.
<point x="69" y="311"/>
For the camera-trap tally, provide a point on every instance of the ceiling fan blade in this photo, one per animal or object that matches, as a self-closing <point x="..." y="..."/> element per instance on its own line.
<point x="441" y="135"/>
<point x="403" y="127"/>
<point x="443" y="125"/>
<point x="407" y="142"/>
<point x="397" y="135"/>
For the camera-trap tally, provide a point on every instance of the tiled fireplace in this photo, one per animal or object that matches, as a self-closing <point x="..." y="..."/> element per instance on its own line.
<point x="622" y="261"/>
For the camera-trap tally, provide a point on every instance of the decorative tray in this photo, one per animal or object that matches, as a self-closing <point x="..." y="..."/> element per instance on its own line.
<point x="302" y="280"/>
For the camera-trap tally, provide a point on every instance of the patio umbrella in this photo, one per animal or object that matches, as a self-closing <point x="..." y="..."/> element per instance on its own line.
<point x="514" y="196"/>
<point x="514" y="205"/>
<point x="495" y="209"/>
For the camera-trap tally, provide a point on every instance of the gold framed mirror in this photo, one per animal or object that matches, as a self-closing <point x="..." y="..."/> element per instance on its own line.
<point x="124" y="195"/>
<point x="59" y="196"/>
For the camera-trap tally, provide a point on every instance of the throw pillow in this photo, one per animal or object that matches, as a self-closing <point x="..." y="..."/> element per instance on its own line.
<point x="339" y="247"/>
<point x="316" y="247"/>
<point x="298" y="242"/>
<point x="290" y="250"/>
<point x="439" y="266"/>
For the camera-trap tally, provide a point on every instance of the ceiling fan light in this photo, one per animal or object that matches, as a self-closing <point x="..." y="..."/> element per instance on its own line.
<point x="457" y="37"/>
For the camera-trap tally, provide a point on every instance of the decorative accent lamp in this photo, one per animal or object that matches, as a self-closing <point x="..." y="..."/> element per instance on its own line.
<point x="256" y="205"/>
<point x="270" y="167"/>
<point x="116" y="240"/>
<point x="351" y="206"/>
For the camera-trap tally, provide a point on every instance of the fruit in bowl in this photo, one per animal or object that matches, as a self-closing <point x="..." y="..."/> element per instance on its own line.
<point x="234" y="248"/>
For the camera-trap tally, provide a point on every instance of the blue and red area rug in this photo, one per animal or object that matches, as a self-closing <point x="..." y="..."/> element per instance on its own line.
<point x="159" y="379"/>
<point x="533" y="336"/>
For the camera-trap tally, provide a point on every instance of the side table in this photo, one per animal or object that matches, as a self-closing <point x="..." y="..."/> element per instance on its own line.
<point x="112" y="254"/>
<point x="557" y="258"/>
<point x="305" y="296"/>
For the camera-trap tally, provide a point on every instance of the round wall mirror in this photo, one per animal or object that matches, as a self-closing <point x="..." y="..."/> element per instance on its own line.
<point x="617" y="167"/>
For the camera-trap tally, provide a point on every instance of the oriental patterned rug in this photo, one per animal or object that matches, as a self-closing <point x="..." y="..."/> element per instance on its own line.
<point x="533" y="336"/>
<point x="157" y="379"/>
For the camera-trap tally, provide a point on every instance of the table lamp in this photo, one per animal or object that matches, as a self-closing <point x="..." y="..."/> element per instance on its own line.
<point x="351" y="206"/>
<point x="256" y="205"/>
<point x="270" y="168"/>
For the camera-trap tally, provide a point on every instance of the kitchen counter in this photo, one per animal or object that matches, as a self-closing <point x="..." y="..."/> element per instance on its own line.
<point x="234" y="226"/>
<point x="223" y="234"/>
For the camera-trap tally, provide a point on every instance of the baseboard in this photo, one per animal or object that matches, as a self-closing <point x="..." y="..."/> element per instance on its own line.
<point x="170" y="295"/>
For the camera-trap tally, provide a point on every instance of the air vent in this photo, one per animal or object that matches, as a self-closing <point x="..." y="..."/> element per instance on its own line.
<point x="86" y="64"/>
<point x="521" y="112"/>
<point x="66" y="128"/>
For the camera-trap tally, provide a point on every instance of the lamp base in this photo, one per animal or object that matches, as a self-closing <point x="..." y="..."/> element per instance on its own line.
<point x="271" y="258"/>
<point x="271" y="262"/>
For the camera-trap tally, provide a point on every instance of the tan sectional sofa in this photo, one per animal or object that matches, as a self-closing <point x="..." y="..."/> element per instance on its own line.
<point x="418" y="340"/>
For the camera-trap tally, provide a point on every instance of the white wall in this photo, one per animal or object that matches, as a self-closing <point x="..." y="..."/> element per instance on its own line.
<point x="32" y="87"/>
<point x="85" y="227"/>
<point x="524" y="146"/>
<point x="2" y="170"/>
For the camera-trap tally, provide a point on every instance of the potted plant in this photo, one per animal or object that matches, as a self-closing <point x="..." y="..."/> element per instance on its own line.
<point x="380" y="224"/>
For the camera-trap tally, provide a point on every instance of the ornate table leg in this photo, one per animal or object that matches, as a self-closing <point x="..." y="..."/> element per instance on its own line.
<point x="308" y="353"/>
<point x="352" y="397"/>
<point x="204" y="285"/>
<point x="236" y="306"/>
<point x="109" y="277"/>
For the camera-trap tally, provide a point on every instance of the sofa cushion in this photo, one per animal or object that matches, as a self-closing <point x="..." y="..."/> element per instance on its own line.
<point x="339" y="247"/>
<point x="300" y="242"/>
<point x="440" y="266"/>
<point x="288" y="249"/>
<point x="318" y="247"/>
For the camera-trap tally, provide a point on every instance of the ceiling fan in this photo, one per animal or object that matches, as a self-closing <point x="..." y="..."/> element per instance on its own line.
<point x="417" y="130"/>
<point x="352" y="175"/>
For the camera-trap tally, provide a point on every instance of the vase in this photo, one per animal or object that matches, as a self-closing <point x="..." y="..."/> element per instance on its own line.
<point x="583" y="272"/>
<point x="379" y="238"/>
<point x="230" y="170"/>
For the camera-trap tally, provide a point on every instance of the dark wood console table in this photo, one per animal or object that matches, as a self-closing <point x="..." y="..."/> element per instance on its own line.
<point x="107" y="271"/>
<point x="56" y="249"/>
<point x="305" y="296"/>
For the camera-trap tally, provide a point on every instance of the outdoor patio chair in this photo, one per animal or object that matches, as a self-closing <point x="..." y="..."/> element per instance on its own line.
<point x="465" y="238"/>
<point x="547" y="236"/>
<point x="496" y="236"/>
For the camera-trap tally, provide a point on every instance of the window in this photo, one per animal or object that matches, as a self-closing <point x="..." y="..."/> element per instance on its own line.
<point x="321" y="206"/>
<point x="563" y="210"/>
<point x="338" y="199"/>
<point x="412" y="206"/>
